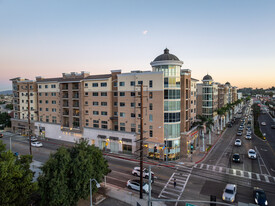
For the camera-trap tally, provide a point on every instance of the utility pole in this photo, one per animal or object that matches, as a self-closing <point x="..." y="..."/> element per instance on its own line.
<point x="141" y="142"/>
<point x="29" y="120"/>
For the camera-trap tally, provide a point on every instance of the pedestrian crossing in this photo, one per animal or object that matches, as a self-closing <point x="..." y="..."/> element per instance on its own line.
<point x="236" y="172"/>
<point x="174" y="191"/>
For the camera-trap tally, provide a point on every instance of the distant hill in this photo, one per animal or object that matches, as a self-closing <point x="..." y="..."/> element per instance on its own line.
<point x="7" y="92"/>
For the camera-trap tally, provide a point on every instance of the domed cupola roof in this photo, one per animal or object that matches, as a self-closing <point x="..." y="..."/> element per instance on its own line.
<point x="207" y="78"/>
<point x="166" y="56"/>
<point x="227" y="83"/>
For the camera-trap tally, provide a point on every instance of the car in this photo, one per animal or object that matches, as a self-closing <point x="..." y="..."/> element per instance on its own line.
<point x="273" y="126"/>
<point x="229" y="193"/>
<point x="248" y="136"/>
<point x="251" y="154"/>
<point x="1" y="135"/>
<point x="240" y="128"/>
<point x="37" y="144"/>
<point x="229" y="125"/>
<point x="135" y="185"/>
<point x="238" y="142"/>
<point x="263" y="124"/>
<point x="33" y="139"/>
<point x="136" y="172"/>
<point x="239" y="133"/>
<point x="259" y="196"/>
<point x="236" y="157"/>
<point x="248" y="132"/>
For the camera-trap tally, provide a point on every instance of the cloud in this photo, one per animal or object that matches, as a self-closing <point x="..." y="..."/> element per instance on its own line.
<point x="145" y="32"/>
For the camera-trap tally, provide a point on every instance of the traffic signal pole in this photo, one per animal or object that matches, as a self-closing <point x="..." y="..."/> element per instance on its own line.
<point x="141" y="142"/>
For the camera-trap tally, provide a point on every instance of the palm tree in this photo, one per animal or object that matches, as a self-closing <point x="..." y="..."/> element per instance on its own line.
<point x="201" y="124"/>
<point x="221" y="112"/>
<point x="209" y="123"/>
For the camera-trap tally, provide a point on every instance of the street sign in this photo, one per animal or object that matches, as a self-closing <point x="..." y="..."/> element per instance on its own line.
<point x="188" y="204"/>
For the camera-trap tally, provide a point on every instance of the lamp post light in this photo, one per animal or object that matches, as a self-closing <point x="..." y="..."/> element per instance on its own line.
<point x="166" y="148"/>
<point x="97" y="185"/>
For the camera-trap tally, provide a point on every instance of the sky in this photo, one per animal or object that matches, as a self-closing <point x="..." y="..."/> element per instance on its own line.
<point x="232" y="40"/>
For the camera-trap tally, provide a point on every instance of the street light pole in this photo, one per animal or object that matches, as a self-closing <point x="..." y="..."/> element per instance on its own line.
<point x="97" y="185"/>
<point x="29" y="120"/>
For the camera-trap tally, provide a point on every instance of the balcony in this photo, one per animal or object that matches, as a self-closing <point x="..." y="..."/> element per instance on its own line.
<point x="76" y="112"/>
<point x="75" y="95"/>
<point x="76" y="105"/>
<point x="65" y="96"/>
<point x="75" y="86"/>
<point x="114" y="118"/>
<point x="65" y="87"/>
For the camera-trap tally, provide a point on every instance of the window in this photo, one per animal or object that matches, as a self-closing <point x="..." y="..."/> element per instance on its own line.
<point x="122" y="94"/>
<point x="53" y="102"/>
<point x="46" y="101"/>
<point x="122" y="129"/>
<point x="46" y="86"/>
<point x="86" y="93"/>
<point x="95" y="94"/>
<point x="122" y="114"/>
<point x="96" y="121"/>
<point x="39" y="86"/>
<point x="133" y="115"/>
<point x="86" y="102"/>
<point x="53" y="94"/>
<point x="95" y="103"/>
<point x="46" y="94"/>
<point x="31" y="101"/>
<point x="115" y="84"/>
<point x="40" y="94"/>
<point x="133" y="94"/>
<point x="122" y="84"/>
<point x="132" y="104"/>
<point x="104" y="122"/>
<point x="115" y="94"/>
<point x="115" y="104"/>
<point x="115" y="114"/>
<point x="122" y="124"/>
<point x="140" y="82"/>
<point x="53" y="86"/>
<point x="103" y="103"/>
<point x="151" y="83"/>
<point x="40" y="109"/>
<point x="95" y="113"/>
<point x="104" y="94"/>
<point x="151" y="133"/>
<point x="96" y="125"/>
<point x="132" y="83"/>
<point x="150" y="95"/>
<point x="47" y="118"/>
<point x="150" y="106"/>
<point x="86" y="84"/>
<point x="95" y="84"/>
<point x="103" y="84"/>
<point x="47" y="109"/>
<point x="150" y="117"/>
<point x="133" y="129"/>
<point x="104" y="126"/>
<point x="172" y="117"/>
<point x="40" y="101"/>
<point x="122" y="104"/>
<point x="53" y="109"/>
<point x="54" y="119"/>
<point x="104" y="113"/>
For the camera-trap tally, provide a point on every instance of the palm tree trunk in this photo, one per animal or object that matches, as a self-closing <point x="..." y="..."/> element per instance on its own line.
<point x="209" y="132"/>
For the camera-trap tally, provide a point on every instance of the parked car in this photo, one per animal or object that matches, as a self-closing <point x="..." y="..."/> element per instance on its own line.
<point x="239" y="133"/>
<point x="273" y="126"/>
<point x="1" y="135"/>
<point x="236" y="157"/>
<point x="36" y="144"/>
<point x="263" y="124"/>
<point x="229" y="125"/>
<point x="136" y="172"/>
<point x="229" y="193"/>
<point x="135" y="185"/>
<point x="259" y="196"/>
<point x="33" y="139"/>
<point x="240" y="128"/>
<point x="238" y="142"/>
<point x="252" y="154"/>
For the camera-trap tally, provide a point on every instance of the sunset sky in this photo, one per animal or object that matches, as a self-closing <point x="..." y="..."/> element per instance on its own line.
<point x="231" y="40"/>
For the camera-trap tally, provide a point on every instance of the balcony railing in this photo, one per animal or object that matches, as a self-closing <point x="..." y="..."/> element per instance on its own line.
<point x="65" y="96"/>
<point x="76" y="96"/>
<point x="65" y="105"/>
<point x="66" y="113"/>
<point x="76" y="105"/>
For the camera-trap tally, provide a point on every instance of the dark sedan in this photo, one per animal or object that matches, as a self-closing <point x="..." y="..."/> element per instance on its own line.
<point x="236" y="158"/>
<point x="259" y="196"/>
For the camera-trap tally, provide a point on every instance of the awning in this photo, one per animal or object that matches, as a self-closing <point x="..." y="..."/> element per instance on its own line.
<point x="101" y="136"/>
<point x="114" y="138"/>
<point x="126" y="140"/>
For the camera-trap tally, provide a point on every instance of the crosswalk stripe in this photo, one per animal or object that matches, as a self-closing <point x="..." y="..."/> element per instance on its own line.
<point x="242" y="173"/>
<point x="249" y="175"/>
<point x="170" y="193"/>
<point x="201" y="166"/>
<point x="266" y="178"/>
<point x="234" y="171"/>
<point x="207" y="167"/>
<point x="214" y="168"/>
<point x="220" y="170"/>
<point x="258" y="177"/>
<point x="227" y="170"/>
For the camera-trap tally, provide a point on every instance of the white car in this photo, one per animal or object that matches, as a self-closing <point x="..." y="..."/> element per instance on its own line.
<point x="263" y="124"/>
<point x="252" y="154"/>
<point x="135" y="185"/>
<point x="145" y="174"/>
<point x="33" y="138"/>
<point x="238" y="142"/>
<point x="229" y="193"/>
<point x="36" y="144"/>
<point x="248" y="136"/>
<point x="248" y="132"/>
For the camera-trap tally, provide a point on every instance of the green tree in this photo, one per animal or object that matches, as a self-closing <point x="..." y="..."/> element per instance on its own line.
<point x="5" y="119"/>
<point x="65" y="178"/>
<point x="15" y="178"/>
<point x="209" y="123"/>
<point x="9" y="106"/>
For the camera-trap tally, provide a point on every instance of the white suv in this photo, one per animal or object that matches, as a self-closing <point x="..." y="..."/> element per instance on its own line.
<point x="136" y="172"/>
<point x="229" y="193"/>
<point x="252" y="154"/>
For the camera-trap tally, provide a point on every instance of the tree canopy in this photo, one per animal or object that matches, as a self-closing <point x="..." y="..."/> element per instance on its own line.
<point x="65" y="178"/>
<point x="5" y="119"/>
<point x="15" y="178"/>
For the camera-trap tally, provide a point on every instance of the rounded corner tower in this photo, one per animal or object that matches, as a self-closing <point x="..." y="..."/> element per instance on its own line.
<point x="170" y="65"/>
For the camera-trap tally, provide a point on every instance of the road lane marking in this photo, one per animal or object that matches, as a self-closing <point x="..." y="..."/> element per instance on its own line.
<point x="224" y="151"/>
<point x="166" y="184"/>
<point x="227" y="170"/>
<point x="264" y="165"/>
<point x="173" y="194"/>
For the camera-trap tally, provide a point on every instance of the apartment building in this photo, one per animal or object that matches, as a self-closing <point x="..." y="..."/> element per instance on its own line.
<point x="193" y="101"/>
<point x="106" y="109"/>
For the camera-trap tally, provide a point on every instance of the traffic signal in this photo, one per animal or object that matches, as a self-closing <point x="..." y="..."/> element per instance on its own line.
<point x="191" y="147"/>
